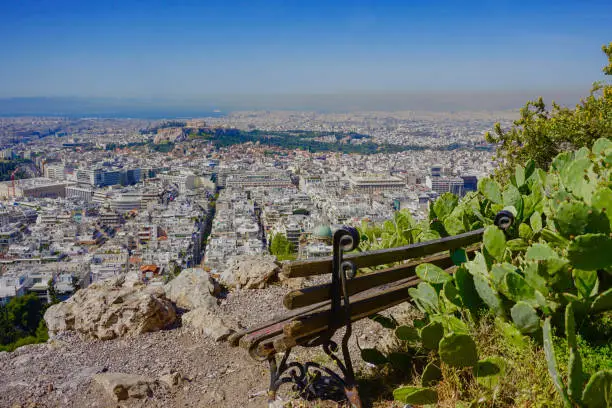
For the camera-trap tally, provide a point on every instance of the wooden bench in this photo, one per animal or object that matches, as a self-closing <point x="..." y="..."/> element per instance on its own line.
<point x="317" y="312"/>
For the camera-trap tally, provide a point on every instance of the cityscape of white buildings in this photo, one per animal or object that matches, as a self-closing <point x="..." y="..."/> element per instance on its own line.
<point x="107" y="198"/>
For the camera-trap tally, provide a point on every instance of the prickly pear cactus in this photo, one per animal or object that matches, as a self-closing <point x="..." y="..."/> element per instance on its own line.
<point x="431" y="335"/>
<point x="554" y="259"/>
<point x="489" y="372"/>
<point x="551" y="361"/>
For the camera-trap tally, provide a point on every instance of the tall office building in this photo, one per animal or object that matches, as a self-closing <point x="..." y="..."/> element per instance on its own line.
<point x="470" y="183"/>
<point x="443" y="185"/>
<point x="99" y="177"/>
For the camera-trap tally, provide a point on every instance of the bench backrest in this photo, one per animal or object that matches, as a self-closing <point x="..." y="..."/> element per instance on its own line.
<point x="308" y="296"/>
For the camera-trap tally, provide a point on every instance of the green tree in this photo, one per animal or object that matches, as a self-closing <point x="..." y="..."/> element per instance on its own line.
<point x="7" y="330"/>
<point x="25" y="312"/>
<point x="301" y="211"/>
<point x="541" y="133"/>
<point x="280" y="245"/>
<point x="607" y="49"/>
<point x="53" y="298"/>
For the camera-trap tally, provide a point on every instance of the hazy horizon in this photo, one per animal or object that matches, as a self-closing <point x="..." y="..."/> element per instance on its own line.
<point x="347" y="102"/>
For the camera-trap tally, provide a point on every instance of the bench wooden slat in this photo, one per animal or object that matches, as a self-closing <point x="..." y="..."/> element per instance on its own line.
<point x="277" y="344"/>
<point x="235" y="338"/>
<point x="383" y="256"/>
<point x="315" y="294"/>
<point x="374" y="301"/>
<point x="247" y="341"/>
<point x="247" y="337"/>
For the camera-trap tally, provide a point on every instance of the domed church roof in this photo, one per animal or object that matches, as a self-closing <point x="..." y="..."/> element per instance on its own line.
<point x="322" y="231"/>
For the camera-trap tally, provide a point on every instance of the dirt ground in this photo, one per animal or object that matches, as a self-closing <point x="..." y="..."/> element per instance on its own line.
<point x="59" y="373"/>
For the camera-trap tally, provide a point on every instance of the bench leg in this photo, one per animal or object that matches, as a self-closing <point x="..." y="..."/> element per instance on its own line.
<point x="311" y="380"/>
<point x="275" y="376"/>
<point x="349" y="385"/>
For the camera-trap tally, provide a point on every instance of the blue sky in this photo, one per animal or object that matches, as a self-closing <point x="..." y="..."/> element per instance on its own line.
<point x="187" y="49"/>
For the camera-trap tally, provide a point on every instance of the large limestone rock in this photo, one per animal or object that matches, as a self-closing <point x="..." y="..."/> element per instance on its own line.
<point x="250" y="272"/>
<point x="204" y="321"/>
<point x="123" y="386"/>
<point x="106" y="311"/>
<point x="193" y="288"/>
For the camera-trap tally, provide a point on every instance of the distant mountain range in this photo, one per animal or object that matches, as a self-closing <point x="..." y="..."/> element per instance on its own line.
<point x="220" y="104"/>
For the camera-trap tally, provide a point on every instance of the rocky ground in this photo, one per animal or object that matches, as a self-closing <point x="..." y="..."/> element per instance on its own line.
<point x="177" y="367"/>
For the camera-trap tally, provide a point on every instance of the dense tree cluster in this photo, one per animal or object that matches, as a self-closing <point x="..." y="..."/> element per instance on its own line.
<point x="306" y="140"/>
<point x="162" y="147"/>
<point x="8" y="166"/>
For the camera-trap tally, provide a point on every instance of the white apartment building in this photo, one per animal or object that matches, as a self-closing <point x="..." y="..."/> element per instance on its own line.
<point x="375" y="183"/>
<point x="79" y="193"/>
<point x="12" y="286"/>
<point x="184" y="182"/>
<point x="55" y="171"/>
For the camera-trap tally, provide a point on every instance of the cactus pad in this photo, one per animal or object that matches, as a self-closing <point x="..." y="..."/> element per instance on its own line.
<point x="458" y="350"/>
